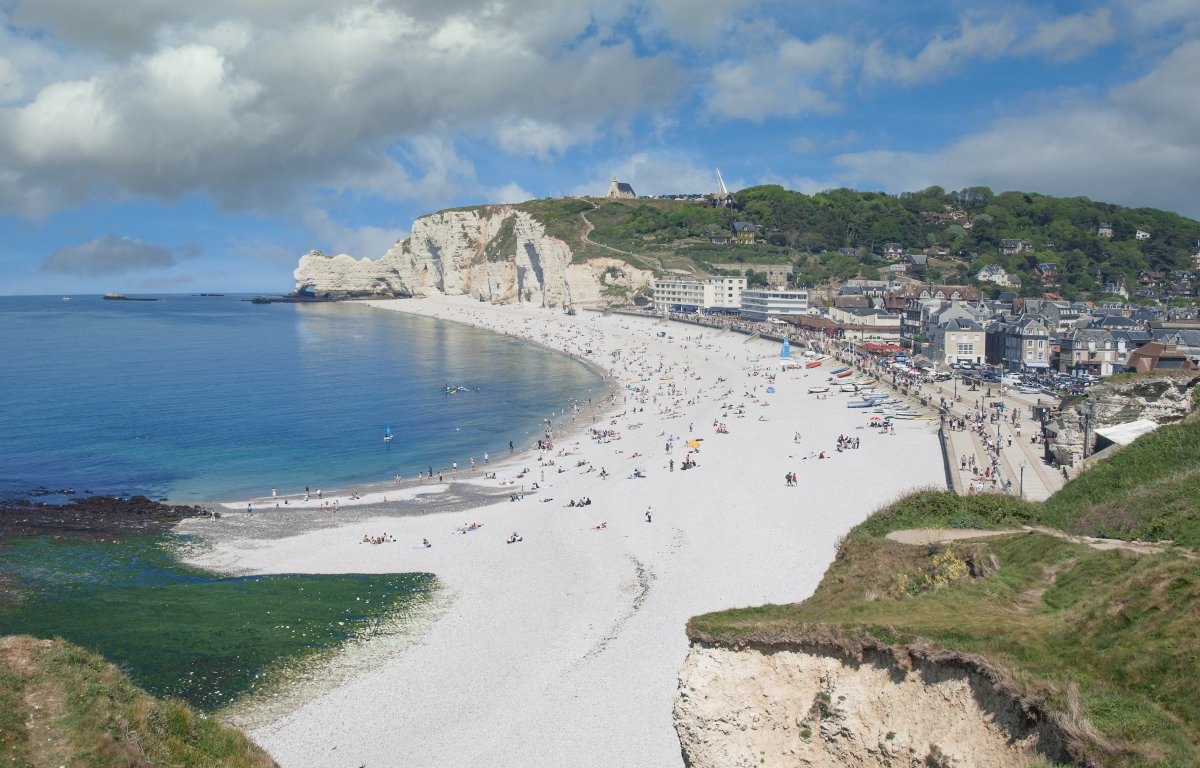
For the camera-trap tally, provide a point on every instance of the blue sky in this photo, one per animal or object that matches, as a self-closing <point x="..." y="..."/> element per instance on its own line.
<point x="187" y="147"/>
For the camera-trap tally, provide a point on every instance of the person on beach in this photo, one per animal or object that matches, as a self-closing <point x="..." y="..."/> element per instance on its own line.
<point x="249" y="508"/>
<point x="649" y="518"/>
<point x="425" y="543"/>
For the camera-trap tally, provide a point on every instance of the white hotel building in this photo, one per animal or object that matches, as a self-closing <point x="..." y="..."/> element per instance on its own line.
<point x="689" y="294"/>
<point x="770" y="303"/>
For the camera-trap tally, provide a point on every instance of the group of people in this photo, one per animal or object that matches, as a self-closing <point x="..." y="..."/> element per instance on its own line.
<point x="847" y="443"/>
<point x="583" y="502"/>
<point x="381" y="539"/>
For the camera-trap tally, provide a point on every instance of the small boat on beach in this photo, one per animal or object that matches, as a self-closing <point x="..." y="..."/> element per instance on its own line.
<point x="859" y="404"/>
<point x="817" y="390"/>
<point x="813" y="363"/>
<point x="839" y="371"/>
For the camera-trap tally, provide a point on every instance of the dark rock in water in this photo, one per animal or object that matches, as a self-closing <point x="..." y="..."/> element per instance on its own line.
<point x="90" y="517"/>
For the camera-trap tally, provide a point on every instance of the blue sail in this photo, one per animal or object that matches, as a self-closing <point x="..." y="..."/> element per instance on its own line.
<point x="786" y="352"/>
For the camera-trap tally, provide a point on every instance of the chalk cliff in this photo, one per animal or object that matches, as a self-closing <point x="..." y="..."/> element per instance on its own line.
<point x="1162" y="397"/>
<point x="883" y="708"/>
<point x="498" y="254"/>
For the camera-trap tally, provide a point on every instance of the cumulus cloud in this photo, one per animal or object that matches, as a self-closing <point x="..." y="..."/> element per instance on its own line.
<point x="367" y="240"/>
<point x="941" y="57"/>
<point x="109" y="255"/>
<point x="794" y="77"/>
<point x="1138" y="146"/>
<point x="1069" y="37"/>
<point x="248" y="101"/>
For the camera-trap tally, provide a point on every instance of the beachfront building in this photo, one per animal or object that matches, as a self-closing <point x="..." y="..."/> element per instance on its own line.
<point x="1019" y="343"/>
<point x="1091" y="352"/>
<point x="957" y="340"/>
<point x="689" y="294"/>
<point x="866" y="324"/>
<point x="761" y="304"/>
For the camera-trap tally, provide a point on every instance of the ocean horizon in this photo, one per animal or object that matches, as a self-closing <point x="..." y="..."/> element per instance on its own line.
<point x="205" y="398"/>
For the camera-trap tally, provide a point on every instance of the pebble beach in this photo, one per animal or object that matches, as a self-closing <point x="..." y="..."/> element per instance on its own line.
<point x="563" y="648"/>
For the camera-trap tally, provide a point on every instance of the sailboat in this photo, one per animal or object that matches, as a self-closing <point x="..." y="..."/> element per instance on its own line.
<point x="387" y="433"/>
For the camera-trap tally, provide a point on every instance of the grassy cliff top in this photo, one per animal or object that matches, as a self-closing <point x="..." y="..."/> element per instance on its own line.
<point x="60" y="705"/>
<point x="1112" y="629"/>
<point x="838" y="234"/>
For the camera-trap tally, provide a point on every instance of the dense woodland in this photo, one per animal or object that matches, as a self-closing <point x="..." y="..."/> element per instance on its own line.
<point x="808" y="231"/>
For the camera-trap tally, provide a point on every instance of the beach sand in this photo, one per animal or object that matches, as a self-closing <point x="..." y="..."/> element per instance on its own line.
<point x="563" y="649"/>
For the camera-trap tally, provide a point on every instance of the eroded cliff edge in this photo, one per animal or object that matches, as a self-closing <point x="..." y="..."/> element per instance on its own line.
<point x="498" y="254"/>
<point x="813" y="704"/>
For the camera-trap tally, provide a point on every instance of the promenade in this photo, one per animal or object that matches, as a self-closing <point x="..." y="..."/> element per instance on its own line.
<point x="993" y="437"/>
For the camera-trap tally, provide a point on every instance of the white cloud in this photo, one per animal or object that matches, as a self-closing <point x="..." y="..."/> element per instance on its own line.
<point x="526" y="136"/>
<point x="796" y="77"/>
<point x="512" y="192"/>
<point x="1069" y="37"/>
<point x="248" y="102"/>
<point x="1138" y="146"/>
<point x="364" y="241"/>
<point x="941" y="57"/>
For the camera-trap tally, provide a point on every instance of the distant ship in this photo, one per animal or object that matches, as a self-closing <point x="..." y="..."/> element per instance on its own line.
<point x="123" y="297"/>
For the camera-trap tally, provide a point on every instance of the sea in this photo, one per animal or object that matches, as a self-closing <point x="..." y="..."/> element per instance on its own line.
<point x="212" y="398"/>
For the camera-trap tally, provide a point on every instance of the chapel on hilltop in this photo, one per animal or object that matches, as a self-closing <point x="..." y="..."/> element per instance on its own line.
<point x="620" y="189"/>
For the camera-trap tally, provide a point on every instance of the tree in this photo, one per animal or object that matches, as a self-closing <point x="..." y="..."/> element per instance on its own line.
<point x="756" y="279"/>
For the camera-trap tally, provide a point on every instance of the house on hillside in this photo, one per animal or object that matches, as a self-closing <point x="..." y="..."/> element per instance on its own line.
<point x="1048" y="271"/>
<point x="1104" y="230"/>
<point x="1141" y="234"/>
<point x="937" y="252"/>
<point x="745" y="232"/>
<point x="620" y="190"/>
<point x="994" y="273"/>
<point x="893" y="251"/>
<point x="1013" y="246"/>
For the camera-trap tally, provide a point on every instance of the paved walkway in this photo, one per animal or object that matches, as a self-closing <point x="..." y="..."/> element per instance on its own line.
<point x="1021" y="462"/>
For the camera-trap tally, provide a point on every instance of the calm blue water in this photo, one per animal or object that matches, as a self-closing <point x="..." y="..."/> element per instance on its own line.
<point x="198" y="398"/>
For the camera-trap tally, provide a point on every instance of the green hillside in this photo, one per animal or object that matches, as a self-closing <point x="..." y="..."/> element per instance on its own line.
<point x="60" y="705"/>
<point x="807" y="231"/>
<point x="1116" y="628"/>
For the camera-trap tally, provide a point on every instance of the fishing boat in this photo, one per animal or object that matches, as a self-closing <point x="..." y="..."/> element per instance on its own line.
<point x="387" y="433"/>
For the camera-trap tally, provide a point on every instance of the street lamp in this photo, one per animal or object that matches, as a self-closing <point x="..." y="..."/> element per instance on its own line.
<point x="1023" y="463"/>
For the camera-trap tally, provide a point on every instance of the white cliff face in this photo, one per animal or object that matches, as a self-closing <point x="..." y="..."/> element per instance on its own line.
<point x="1162" y="397"/>
<point x="495" y="254"/>
<point x="754" y="709"/>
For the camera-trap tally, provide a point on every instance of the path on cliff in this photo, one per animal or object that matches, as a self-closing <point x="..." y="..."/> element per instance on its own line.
<point x="922" y="536"/>
<point x="587" y="229"/>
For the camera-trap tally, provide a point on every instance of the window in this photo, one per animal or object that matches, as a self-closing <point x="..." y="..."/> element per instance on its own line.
<point x="966" y="349"/>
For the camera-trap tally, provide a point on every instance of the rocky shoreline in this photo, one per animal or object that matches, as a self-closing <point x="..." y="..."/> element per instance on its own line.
<point x="90" y="518"/>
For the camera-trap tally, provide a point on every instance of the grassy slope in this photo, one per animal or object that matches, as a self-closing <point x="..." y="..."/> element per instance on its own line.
<point x="60" y="705"/>
<point x="1122" y="628"/>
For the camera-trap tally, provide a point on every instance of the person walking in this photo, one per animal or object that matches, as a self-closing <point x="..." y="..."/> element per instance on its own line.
<point x="648" y="515"/>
